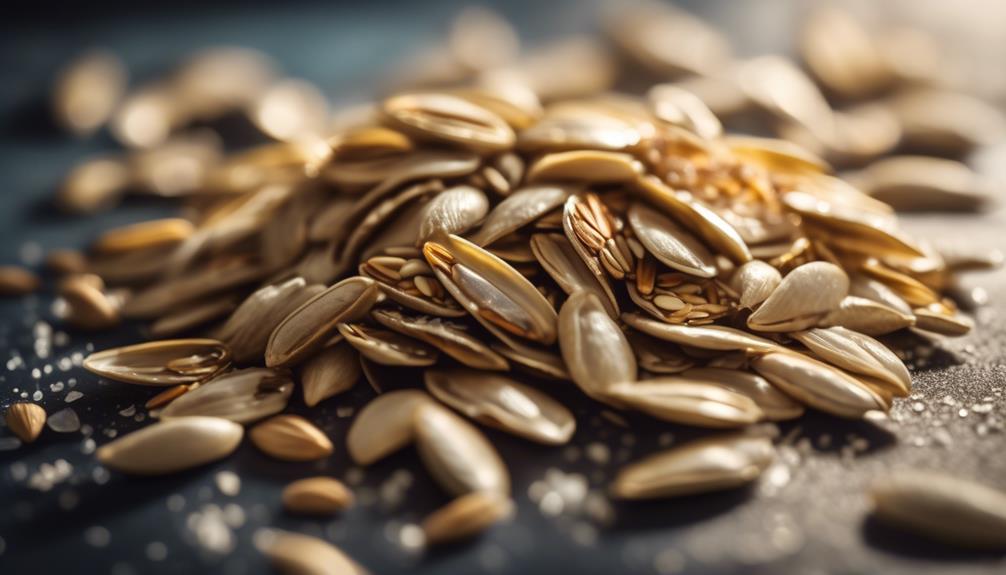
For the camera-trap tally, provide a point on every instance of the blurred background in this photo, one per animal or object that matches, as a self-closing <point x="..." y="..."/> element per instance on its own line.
<point x="352" y="52"/>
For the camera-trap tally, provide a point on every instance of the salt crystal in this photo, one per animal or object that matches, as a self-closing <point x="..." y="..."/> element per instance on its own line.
<point x="129" y="411"/>
<point x="97" y="536"/>
<point x="228" y="483"/>
<point x="73" y="396"/>
<point x="37" y="396"/>
<point x="64" y="421"/>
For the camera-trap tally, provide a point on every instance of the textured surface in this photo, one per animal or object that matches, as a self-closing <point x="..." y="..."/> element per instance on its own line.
<point x="62" y="513"/>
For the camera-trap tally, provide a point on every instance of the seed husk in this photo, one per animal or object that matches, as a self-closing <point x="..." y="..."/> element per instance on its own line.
<point x="247" y="330"/>
<point x="711" y="464"/>
<point x="307" y="328"/>
<point x="93" y="185"/>
<point x="559" y="259"/>
<point x="857" y="353"/>
<point x="465" y="517"/>
<point x="242" y="396"/>
<point x="456" y="454"/>
<point x="451" y="339"/>
<point x="810" y="290"/>
<point x="586" y="166"/>
<point x="818" y="385"/>
<point x="868" y="317"/>
<point x="755" y="281"/>
<point x="25" y="420"/>
<point x="942" y="508"/>
<point x="161" y="363"/>
<point x="172" y="446"/>
<point x="538" y="361"/>
<point x="939" y="321"/>
<point x="317" y="496"/>
<point x="449" y="119"/>
<point x="669" y="243"/>
<point x="924" y="183"/>
<point x="492" y="291"/>
<point x="188" y="319"/>
<point x="595" y="350"/>
<point x="330" y="372"/>
<point x="713" y="337"/>
<point x="705" y="223"/>
<point x="774" y="404"/>
<point x="453" y="211"/>
<point x="690" y="402"/>
<point x="503" y="403"/>
<point x="519" y="209"/>
<point x="388" y="347"/>
<point x="384" y="425"/>
<point x="298" y="554"/>
<point x="17" y="281"/>
<point x="290" y="438"/>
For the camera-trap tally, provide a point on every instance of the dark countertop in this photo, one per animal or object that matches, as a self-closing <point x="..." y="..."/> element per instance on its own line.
<point x="62" y="513"/>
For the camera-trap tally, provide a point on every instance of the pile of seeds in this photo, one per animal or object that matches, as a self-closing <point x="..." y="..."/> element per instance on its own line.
<point x="510" y="226"/>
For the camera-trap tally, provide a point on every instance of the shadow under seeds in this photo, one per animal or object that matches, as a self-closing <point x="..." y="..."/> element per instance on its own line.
<point x="891" y="539"/>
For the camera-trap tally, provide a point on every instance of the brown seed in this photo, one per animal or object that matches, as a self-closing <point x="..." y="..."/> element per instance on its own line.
<point x="317" y="496"/>
<point x="26" y="420"/>
<point x="88" y="90"/>
<point x="89" y="307"/>
<point x="291" y="438"/>
<point x="144" y="235"/>
<point x="16" y="281"/>
<point x="296" y="554"/>
<point x="466" y="516"/>
<point x="65" y="262"/>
